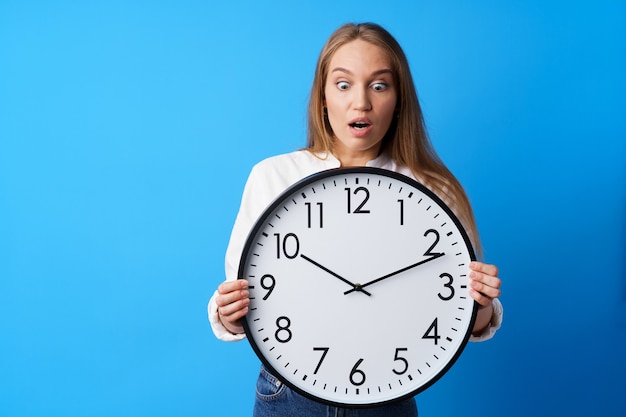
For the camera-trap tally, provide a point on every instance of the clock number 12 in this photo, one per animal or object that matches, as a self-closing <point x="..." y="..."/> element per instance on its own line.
<point x="366" y="197"/>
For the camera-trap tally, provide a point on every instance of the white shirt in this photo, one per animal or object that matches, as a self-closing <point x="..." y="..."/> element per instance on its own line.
<point x="267" y="180"/>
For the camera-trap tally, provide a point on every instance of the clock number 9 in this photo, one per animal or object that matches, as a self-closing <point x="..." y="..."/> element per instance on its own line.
<point x="269" y="287"/>
<point x="289" y="252"/>
<point x="283" y="334"/>
<point x="359" y="209"/>
<point x="447" y="285"/>
<point x="360" y="380"/>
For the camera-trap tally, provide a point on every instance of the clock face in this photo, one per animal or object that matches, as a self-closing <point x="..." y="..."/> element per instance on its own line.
<point x="358" y="281"/>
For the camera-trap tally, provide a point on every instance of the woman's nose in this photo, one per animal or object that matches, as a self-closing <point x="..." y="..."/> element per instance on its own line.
<point x="361" y="100"/>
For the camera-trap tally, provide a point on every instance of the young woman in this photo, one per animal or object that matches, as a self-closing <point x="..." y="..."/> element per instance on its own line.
<point x="363" y="111"/>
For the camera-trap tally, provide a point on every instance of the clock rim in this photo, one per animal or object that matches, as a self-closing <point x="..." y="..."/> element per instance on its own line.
<point x="249" y="242"/>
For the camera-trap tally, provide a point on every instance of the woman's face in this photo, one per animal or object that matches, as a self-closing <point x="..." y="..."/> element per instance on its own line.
<point x="360" y="96"/>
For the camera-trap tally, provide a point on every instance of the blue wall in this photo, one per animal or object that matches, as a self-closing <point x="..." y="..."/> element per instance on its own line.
<point x="127" y="129"/>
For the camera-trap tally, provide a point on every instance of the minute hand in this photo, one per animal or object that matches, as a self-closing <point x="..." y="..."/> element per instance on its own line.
<point x="406" y="268"/>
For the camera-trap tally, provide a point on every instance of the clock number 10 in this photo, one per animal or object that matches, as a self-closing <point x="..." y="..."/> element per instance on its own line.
<point x="289" y="245"/>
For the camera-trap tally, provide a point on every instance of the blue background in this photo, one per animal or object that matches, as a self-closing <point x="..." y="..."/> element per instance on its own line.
<point x="128" y="128"/>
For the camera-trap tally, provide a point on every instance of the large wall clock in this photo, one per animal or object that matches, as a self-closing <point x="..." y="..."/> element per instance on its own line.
<point x="358" y="282"/>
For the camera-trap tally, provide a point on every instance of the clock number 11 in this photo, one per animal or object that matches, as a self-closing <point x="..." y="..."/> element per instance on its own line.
<point x="309" y="211"/>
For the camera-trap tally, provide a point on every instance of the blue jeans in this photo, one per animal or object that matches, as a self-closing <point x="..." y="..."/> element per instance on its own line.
<point x="275" y="399"/>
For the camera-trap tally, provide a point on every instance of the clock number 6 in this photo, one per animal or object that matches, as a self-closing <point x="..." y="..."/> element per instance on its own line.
<point x="360" y="380"/>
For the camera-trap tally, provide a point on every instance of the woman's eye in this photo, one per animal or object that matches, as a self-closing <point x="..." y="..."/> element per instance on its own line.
<point x="379" y="86"/>
<point x="343" y="85"/>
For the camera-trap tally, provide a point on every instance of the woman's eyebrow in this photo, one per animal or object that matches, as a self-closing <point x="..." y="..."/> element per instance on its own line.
<point x="375" y="73"/>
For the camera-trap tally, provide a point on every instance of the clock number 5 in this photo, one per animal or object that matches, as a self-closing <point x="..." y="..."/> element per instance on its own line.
<point x="398" y="358"/>
<point x="359" y="209"/>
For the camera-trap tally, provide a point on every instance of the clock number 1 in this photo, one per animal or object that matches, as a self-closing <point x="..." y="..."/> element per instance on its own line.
<point x="359" y="209"/>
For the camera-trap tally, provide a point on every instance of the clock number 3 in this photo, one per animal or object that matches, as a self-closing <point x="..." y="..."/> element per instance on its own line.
<point x="448" y="285"/>
<point x="366" y="197"/>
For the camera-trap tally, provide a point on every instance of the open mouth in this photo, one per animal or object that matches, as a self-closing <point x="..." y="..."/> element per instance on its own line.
<point x="359" y="125"/>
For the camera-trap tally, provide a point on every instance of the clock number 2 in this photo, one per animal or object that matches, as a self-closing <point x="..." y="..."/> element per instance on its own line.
<point x="359" y="209"/>
<point x="429" y="251"/>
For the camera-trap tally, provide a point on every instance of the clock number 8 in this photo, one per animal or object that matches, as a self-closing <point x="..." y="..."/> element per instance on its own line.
<point x="283" y="334"/>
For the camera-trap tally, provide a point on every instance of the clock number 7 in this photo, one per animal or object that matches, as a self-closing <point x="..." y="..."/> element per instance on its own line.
<point x="325" y="350"/>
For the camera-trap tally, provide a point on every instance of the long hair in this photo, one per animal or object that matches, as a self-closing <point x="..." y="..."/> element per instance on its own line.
<point x="407" y="141"/>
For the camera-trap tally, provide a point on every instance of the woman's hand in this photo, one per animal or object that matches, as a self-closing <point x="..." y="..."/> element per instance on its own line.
<point x="485" y="286"/>
<point x="232" y="304"/>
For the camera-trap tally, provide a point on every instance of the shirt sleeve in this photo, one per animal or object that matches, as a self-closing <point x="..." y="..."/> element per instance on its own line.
<point x="256" y="196"/>
<point x="494" y="324"/>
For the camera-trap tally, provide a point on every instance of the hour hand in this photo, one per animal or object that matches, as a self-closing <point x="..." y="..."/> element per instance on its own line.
<point x="406" y="268"/>
<point x="355" y="287"/>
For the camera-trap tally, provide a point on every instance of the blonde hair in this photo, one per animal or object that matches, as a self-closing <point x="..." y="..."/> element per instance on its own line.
<point x="406" y="141"/>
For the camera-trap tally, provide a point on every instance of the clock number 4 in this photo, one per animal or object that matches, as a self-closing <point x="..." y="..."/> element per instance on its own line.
<point x="432" y="332"/>
<point x="360" y="208"/>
